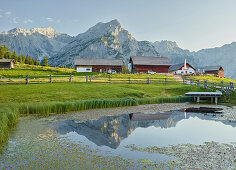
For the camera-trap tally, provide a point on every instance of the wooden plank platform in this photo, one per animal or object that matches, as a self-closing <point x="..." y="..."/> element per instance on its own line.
<point x="211" y="95"/>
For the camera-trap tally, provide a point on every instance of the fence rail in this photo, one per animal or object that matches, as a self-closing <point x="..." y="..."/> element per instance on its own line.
<point x="32" y="79"/>
<point x="227" y="87"/>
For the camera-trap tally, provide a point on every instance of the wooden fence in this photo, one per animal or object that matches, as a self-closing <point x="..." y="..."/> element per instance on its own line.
<point x="227" y="87"/>
<point x="31" y="79"/>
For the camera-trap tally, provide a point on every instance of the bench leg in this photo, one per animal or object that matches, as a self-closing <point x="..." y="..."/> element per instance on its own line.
<point x="212" y="99"/>
<point x="216" y="100"/>
<point x="198" y="99"/>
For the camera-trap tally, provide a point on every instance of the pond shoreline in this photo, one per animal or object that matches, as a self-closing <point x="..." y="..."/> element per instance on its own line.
<point x="187" y="156"/>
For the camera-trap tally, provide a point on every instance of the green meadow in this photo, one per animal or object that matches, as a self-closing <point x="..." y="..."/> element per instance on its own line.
<point x="23" y="99"/>
<point x="48" y="98"/>
<point x="211" y="79"/>
<point x="21" y="70"/>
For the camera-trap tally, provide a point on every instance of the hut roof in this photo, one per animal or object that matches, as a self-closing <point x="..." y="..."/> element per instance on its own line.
<point x="143" y="60"/>
<point x="177" y="66"/>
<point x="212" y="68"/>
<point x="6" y="60"/>
<point x="98" y="61"/>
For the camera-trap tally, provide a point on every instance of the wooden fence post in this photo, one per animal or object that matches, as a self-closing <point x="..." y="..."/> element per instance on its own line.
<point x="129" y="80"/>
<point x="231" y="87"/>
<point x="214" y="89"/>
<point x="26" y="79"/>
<point x="183" y="80"/>
<point x="198" y="83"/>
<point x="90" y="78"/>
<point x="165" y="81"/>
<point x="205" y="84"/>
<point x="191" y="82"/>
<point x="50" y="78"/>
<point x="86" y="79"/>
<point x="70" y="78"/>
<point x="148" y="80"/>
<point x="109" y="78"/>
<point x="222" y="85"/>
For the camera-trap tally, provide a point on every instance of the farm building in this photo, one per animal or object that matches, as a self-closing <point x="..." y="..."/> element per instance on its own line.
<point x="141" y="64"/>
<point x="182" y="68"/>
<point x="7" y="63"/>
<point x="212" y="70"/>
<point x="98" y="65"/>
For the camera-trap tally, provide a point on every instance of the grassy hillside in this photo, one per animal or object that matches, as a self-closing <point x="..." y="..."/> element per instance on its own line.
<point x="211" y="79"/>
<point x="21" y="70"/>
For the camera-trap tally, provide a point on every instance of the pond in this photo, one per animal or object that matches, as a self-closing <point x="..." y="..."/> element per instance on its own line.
<point x="111" y="141"/>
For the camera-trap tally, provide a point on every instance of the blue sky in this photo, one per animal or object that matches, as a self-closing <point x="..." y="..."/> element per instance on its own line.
<point x="193" y="24"/>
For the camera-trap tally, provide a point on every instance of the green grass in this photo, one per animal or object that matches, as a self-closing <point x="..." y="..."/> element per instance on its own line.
<point x="23" y="93"/>
<point x="211" y="79"/>
<point x="21" y="70"/>
<point x="8" y="117"/>
<point x="67" y="97"/>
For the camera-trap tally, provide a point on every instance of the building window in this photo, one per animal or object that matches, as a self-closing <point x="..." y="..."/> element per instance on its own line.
<point x="88" y="69"/>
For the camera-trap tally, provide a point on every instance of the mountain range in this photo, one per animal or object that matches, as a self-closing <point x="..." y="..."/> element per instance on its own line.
<point x="110" y="40"/>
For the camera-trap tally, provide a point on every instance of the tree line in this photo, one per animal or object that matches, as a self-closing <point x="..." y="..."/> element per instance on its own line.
<point x="5" y="53"/>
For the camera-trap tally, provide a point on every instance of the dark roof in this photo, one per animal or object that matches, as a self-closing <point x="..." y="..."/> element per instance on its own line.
<point x="6" y="60"/>
<point x="98" y="61"/>
<point x="143" y="60"/>
<point x="177" y="66"/>
<point x="211" y="68"/>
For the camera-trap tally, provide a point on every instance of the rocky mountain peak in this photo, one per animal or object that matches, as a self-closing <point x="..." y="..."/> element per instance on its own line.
<point x="48" y="32"/>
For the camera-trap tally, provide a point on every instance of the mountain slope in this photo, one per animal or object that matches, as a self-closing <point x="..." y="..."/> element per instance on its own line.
<point x="110" y="40"/>
<point x="38" y="42"/>
<point x="104" y="40"/>
<point x="224" y="56"/>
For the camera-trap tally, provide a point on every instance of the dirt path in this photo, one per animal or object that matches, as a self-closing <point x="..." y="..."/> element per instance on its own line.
<point x="178" y="78"/>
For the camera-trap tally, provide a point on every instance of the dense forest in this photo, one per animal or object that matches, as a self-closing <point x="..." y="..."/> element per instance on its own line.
<point x="5" y="53"/>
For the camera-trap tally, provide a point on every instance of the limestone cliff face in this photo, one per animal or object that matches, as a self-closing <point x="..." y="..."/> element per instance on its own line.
<point x="110" y="40"/>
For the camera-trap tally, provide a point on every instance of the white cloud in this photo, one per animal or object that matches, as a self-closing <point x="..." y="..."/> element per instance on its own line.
<point x="1" y="16"/>
<point x="28" y="21"/>
<point x="8" y="13"/>
<point x="49" y="19"/>
<point x="15" y="20"/>
<point x="1" y="10"/>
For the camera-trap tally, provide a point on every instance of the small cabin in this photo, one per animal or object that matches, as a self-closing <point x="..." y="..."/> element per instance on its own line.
<point x="98" y="65"/>
<point x="182" y="69"/>
<point x="143" y="64"/>
<point x="217" y="71"/>
<point x="7" y="63"/>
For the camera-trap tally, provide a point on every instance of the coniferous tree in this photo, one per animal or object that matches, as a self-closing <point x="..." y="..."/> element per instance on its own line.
<point x="23" y="59"/>
<point x="33" y="61"/>
<point x="20" y="59"/>
<point x="14" y="56"/>
<point x="124" y="69"/>
<point x="7" y="55"/>
<point x="6" y="48"/>
<point x="2" y="52"/>
<point x="45" y="61"/>
<point x="37" y="63"/>
<point x="30" y="60"/>
<point x="27" y="59"/>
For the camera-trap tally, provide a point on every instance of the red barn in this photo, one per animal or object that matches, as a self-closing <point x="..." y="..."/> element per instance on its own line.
<point x="142" y="64"/>
<point x="98" y="65"/>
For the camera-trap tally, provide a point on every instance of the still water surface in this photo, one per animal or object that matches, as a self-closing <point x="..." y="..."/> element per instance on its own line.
<point x="108" y="135"/>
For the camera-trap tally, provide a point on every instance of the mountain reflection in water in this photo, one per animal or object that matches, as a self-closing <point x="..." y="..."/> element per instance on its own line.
<point x="111" y="130"/>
